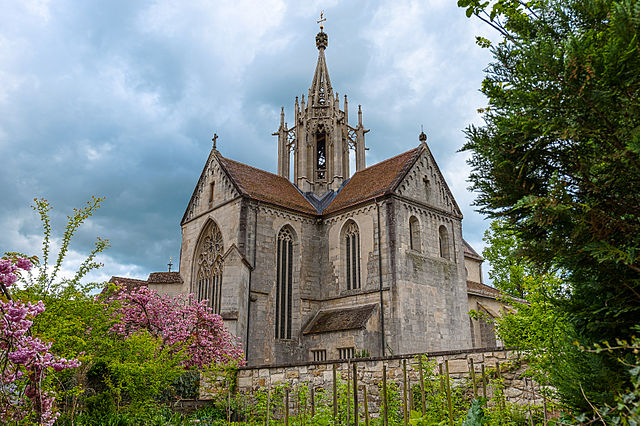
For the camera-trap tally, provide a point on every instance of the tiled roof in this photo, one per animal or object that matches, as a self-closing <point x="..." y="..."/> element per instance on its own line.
<point x="469" y="251"/>
<point x="340" y="320"/>
<point x="129" y="283"/>
<point x="482" y="290"/>
<point x="265" y="186"/>
<point x="374" y="181"/>
<point x="165" y="278"/>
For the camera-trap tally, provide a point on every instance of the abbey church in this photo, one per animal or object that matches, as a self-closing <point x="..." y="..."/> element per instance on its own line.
<point x="315" y="263"/>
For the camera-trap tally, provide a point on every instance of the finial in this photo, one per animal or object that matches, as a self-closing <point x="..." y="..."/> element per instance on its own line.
<point x="321" y="21"/>
<point x="321" y="39"/>
<point x="169" y="264"/>
<point x="423" y="136"/>
<point x="214" y="139"/>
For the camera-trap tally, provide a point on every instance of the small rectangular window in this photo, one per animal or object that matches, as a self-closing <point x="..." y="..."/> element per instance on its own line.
<point x="346" y="353"/>
<point x="319" y="354"/>
<point x="212" y="187"/>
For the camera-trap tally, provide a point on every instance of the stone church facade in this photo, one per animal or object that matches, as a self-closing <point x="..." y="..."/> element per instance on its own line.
<point x="318" y="265"/>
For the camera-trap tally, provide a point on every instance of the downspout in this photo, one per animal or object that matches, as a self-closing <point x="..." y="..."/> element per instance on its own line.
<point x="255" y="240"/>
<point x="382" y="342"/>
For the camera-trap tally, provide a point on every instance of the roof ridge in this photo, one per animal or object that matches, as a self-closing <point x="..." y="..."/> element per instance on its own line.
<point x="255" y="168"/>
<point x="387" y="159"/>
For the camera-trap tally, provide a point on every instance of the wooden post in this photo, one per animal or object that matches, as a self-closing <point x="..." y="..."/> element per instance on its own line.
<point x="484" y="382"/>
<point x="472" y="370"/>
<point x="366" y="405"/>
<point x="422" y="400"/>
<point x="533" y="397"/>
<point x="441" y="378"/>
<point x="286" y="407"/>
<point x="268" y="403"/>
<point x="313" y="403"/>
<point x="450" y="407"/>
<point x="385" y="403"/>
<point x="348" y="393"/>
<point x="499" y="373"/>
<point x="411" y="407"/>
<point x="335" y="394"/>
<point x="355" y="395"/>
<point x="229" y="405"/>
<point x="544" y="408"/>
<point x="404" y="391"/>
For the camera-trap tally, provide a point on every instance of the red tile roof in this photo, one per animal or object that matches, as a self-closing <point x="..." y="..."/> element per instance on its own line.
<point x="165" y="278"/>
<point x="129" y="283"/>
<point x="265" y="186"/>
<point x="374" y="181"/>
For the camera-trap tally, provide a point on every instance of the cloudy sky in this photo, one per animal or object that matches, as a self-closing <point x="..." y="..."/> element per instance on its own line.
<point x="120" y="99"/>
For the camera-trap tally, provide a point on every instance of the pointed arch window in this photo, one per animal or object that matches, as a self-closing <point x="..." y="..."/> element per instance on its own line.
<point x="352" y="255"/>
<point x="444" y="241"/>
<point x="209" y="267"/>
<point x="414" y="233"/>
<point x="284" y="283"/>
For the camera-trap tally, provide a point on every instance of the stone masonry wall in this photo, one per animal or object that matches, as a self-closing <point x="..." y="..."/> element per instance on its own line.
<point x="320" y="375"/>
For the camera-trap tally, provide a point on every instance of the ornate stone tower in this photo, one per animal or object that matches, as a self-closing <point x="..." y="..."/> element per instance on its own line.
<point x="321" y="138"/>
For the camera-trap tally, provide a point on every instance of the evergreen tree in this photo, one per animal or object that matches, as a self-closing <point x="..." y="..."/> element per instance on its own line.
<point x="558" y="157"/>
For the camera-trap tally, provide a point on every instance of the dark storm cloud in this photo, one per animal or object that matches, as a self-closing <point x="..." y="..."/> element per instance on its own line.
<point x="120" y="100"/>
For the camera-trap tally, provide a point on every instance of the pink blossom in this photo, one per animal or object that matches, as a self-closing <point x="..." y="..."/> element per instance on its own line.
<point x="182" y="324"/>
<point x="24" y="360"/>
<point x="24" y="263"/>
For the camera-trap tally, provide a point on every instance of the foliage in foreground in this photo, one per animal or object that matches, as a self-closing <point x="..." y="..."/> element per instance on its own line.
<point x="120" y="352"/>
<point x="558" y="159"/>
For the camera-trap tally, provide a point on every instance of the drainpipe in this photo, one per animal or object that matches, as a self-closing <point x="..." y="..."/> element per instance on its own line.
<point x="255" y="240"/>
<point x="382" y="342"/>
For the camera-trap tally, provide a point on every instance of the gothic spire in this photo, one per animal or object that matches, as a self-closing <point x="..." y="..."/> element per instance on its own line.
<point x="321" y="91"/>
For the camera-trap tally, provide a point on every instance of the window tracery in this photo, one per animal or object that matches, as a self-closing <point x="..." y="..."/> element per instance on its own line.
<point x="209" y="267"/>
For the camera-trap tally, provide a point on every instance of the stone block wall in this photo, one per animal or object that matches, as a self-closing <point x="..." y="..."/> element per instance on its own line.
<point x="370" y="370"/>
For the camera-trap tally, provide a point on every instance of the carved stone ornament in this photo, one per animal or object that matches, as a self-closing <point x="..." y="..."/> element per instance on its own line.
<point x="209" y="253"/>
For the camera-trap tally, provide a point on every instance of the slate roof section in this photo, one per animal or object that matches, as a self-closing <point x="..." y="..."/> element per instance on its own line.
<point x="165" y="278"/>
<point x="374" y="181"/>
<point x="340" y="320"/>
<point x="470" y="252"/>
<point x="265" y="186"/>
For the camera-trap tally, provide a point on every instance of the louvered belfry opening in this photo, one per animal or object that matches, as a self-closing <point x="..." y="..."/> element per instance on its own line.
<point x="284" y="283"/>
<point x="321" y="156"/>
<point x="210" y="267"/>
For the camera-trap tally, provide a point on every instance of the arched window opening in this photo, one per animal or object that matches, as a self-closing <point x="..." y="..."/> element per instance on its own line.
<point x="284" y="283"/>
<point x="444" y="242"/>
<point x="414" y="233"/>
<point x="209" y="267"/>
<point x="352" y="255"/>
<point x="321" y="155"/>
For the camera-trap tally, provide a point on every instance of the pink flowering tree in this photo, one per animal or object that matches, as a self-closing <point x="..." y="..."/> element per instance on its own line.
<point x="25" y="360"/>
<point x="182" y="325"/>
